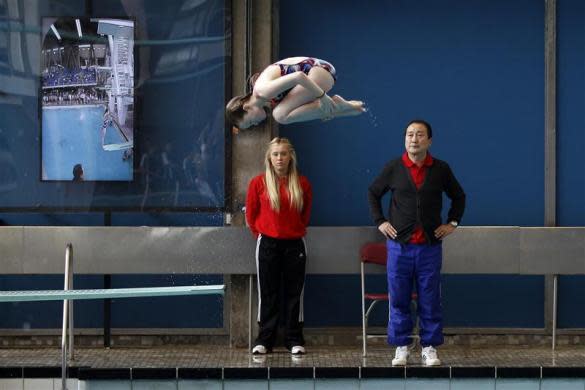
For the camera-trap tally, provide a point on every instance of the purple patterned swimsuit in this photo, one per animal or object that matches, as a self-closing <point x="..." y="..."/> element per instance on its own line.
<point x="304" y="66"/>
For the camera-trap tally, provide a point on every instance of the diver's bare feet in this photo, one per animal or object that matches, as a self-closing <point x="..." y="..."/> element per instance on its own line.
<point x="328" y="107"/>
<point x="348" y="108"/>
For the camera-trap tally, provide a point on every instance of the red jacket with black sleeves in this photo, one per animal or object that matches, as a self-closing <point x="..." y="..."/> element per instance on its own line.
<point x="288" y="223"/>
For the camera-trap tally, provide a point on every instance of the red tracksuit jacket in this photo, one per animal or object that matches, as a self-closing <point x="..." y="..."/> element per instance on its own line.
<point x="288" y="223"/>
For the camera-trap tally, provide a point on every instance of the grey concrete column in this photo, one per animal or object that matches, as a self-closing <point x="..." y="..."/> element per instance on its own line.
<point x="550" y="139"/>
<point x="550" y="113"/>
<point x="253" y="48"/>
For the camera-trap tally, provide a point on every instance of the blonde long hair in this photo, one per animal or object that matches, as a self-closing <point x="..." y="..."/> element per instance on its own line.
<point x="295" y="191"/>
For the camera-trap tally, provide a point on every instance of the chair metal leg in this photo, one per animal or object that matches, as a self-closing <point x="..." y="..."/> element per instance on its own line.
<point x="370" y="308"/>
<point x="364" y="322"/>
<point x="250" y="295"/>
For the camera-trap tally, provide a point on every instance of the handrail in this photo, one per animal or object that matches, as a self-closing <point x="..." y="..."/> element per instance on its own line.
<point x="554" y="312"/>
<point x="67" y="344"/>
<point x="67" y="317"/>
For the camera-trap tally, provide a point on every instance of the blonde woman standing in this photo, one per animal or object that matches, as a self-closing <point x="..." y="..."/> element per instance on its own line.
<point x="278" y="206"/>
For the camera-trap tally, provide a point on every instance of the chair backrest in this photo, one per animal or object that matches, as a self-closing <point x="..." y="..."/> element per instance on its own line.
<point x="374" y="252"/>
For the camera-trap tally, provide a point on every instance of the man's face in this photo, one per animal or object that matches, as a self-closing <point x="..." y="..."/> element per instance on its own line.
<point x="416" y="140"/>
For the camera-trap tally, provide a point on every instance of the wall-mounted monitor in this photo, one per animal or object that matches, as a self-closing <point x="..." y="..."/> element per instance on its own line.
<point x="87" y="98"/>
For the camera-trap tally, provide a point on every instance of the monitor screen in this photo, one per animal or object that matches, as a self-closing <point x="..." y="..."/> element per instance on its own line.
<point x="87" y="99"/>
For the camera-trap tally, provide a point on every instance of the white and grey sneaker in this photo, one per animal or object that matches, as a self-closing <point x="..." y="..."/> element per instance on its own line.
<point x="259" y="350"/>
<point x="259" y="359"/>
<point x="429" y="356"/>
<point x="401" y="356"/>
<point x="298" y="350"/>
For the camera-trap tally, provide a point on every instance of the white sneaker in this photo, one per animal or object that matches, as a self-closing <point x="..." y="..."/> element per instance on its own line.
<point x="298" y="350"/>
<point x="401" y="356"/>
<point x="259" y="350"/>
<point x="429" y="356"/>
<point x="259" y="359"/>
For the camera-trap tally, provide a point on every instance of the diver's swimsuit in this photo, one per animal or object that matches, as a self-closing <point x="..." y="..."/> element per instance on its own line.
<point x="304" y="66"/>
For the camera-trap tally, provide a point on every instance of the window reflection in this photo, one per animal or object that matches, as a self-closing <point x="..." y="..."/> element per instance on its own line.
<point x="178" y="154"/>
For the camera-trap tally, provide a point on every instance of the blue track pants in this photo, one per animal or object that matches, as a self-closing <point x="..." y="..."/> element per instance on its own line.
<point x="408" y="263"/>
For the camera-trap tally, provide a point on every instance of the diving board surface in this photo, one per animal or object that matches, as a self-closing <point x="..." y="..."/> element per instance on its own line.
<point x="59" y="295"/>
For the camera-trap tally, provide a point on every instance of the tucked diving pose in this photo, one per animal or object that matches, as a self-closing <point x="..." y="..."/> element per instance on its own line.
<point x="293" y="90"/>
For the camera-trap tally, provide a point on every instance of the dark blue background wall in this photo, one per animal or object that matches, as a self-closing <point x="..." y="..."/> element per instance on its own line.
<point x="570" y="146"/>
<point x="571" y="112"/>
<point x="475" y="71"/>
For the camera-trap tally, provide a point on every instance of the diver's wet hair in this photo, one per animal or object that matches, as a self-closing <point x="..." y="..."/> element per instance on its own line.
<point x="234" y="110"/>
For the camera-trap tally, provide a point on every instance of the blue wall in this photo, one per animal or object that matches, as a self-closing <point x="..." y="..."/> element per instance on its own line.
<point x="570" y="146"/>
<point x="475" y="71"/>
<point x="571" y="112"/>
<point x="336" y="301"/>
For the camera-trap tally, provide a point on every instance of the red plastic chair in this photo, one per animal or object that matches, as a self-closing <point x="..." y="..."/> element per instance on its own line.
<point x="374" y="253"/>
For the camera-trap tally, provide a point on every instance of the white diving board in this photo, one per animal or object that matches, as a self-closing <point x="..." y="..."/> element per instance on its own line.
<point x="59" y="295"/>
<point x="115" y="147"/>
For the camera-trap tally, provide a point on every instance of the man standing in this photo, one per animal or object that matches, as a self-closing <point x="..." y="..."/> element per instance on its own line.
<point x="415" y="231"/>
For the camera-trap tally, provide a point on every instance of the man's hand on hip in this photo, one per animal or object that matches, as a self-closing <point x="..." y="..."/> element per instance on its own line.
<point x="388" y="230"/>
<point x="444" y="230"/>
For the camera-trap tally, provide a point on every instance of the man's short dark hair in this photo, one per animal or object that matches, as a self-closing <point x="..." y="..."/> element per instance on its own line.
<point x="77" y="171"/>
<point x="421" y="122"/>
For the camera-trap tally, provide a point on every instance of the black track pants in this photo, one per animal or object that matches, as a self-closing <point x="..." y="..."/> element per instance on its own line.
<point x="281" y="268"/>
